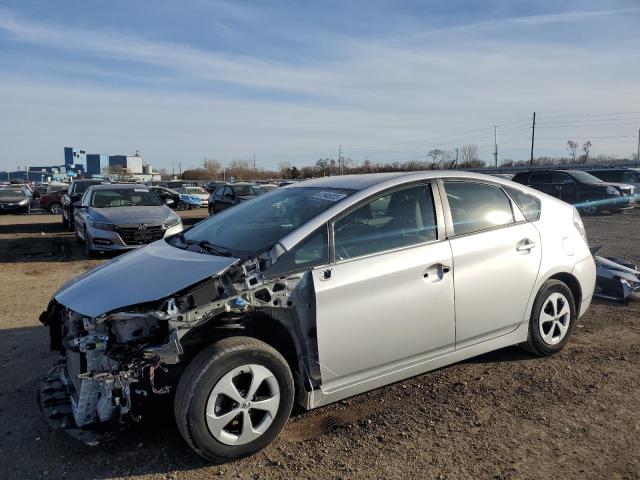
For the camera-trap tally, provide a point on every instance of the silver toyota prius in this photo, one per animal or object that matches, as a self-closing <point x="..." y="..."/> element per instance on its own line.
<point x="122" y="217"/>
<point x="313" y="293"/>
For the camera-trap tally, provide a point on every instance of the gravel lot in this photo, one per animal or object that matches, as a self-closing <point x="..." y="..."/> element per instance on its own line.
<point x="504" y="415"/>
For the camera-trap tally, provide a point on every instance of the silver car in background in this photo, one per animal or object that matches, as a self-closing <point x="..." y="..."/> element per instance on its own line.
<point x="122" y="217"/>
<point x="313" y="293"/>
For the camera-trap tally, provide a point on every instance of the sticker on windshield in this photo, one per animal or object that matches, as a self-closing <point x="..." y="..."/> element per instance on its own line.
<point x="140" y="190"/>
<point x="329" y="196"/>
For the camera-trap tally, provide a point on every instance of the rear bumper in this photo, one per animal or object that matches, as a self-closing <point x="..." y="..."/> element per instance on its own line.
<point x="585" y="273"/>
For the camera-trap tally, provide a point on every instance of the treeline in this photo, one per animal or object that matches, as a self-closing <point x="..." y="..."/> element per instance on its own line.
<point x="436" y="159"/>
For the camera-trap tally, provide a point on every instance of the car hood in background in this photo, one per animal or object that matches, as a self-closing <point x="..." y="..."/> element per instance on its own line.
<point x="12" y="199"/>
<point x="148" y="274"/>
<point x="132" y="215"/>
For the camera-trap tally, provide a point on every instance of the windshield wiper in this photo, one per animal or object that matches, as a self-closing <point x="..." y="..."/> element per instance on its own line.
<point x="210" y="247"/>
<point x="206" y="245"/>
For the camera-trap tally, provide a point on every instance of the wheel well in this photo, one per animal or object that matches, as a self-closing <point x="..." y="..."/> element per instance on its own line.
<point x="573" y="284"/>
<point x="257" y="325"/>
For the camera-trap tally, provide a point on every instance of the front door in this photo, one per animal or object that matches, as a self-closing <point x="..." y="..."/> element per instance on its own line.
<point x="387" y="300"/>
<point x="495" y="261"/>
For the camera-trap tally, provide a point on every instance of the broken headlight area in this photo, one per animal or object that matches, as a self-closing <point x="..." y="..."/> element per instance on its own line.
<point x="103" y="365"/>
<point x="112" y="365"/>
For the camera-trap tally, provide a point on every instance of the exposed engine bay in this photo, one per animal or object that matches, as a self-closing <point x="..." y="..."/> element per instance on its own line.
<point x="111" y="364"/>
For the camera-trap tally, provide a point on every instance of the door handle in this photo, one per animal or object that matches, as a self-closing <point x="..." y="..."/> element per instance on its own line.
<point x="525" y="245"/>
<point x="434" y="273"/>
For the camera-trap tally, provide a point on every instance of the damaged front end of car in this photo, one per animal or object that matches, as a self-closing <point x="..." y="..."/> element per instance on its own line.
<point x="113" y="362"/>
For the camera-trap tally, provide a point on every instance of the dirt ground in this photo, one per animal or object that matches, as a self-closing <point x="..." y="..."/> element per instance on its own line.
<point x="504" y="415"/>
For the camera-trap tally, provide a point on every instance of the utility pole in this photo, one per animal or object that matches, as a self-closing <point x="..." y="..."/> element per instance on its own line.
<point x="533" y="135"/>
<point x="495" y="143"/>
<point x="180" y="169"/>
<point x="254" y="162"/>
<point x="340" y="160"/>
<point x="173" y="169"/>
<point x="639" y="144"/>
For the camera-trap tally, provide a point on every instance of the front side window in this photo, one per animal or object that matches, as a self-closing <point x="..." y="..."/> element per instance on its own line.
<point x="562" y="179"/>
<point x="309" y="253"/>
<point x="398" y="219"/>
<point x="540" y="177"/>
<point x="477" y="206"/>
<point x="125" y="197"/>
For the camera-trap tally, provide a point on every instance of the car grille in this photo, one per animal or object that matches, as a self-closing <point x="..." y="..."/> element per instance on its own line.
<point x="137" y="236"/>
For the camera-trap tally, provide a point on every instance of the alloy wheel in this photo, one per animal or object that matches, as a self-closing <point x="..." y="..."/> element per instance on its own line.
<point x="243" y="404"/>
<point x="554" y="319"/>
<point x="56" y="208"/>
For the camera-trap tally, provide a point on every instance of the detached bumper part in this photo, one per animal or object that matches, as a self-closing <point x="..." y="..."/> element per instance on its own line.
<point x="616" y="279"/>
<point x="54" y="400"/>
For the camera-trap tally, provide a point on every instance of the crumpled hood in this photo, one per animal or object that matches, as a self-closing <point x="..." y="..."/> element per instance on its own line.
<point x="147" y="274"/>
<point x="127" y="215"/>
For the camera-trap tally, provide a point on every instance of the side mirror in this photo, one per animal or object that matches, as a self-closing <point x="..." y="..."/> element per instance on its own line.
<point x="168" y="202"/>
<point x="78" y="204"/>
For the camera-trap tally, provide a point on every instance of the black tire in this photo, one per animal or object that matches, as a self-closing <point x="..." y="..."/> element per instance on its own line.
<point x="590" y="206"/>
<point x="79" y="240"/>
<point x="199" y="379"/>
<point x="88" y="251"/>
<point x="56" y="208"/>
<point x="536" y="344"/>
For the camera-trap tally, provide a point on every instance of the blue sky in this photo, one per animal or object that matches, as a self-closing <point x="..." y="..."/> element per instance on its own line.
<point x="290" y="81"/>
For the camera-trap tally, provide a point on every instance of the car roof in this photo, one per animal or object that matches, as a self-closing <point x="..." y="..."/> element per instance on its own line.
<point x="363" y="181"/>
<point x="119" y="186"/>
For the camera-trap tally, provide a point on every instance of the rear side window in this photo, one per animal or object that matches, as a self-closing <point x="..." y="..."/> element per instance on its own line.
<point x="398" y="219"/>
<point x="477" y="206"/>
<point x="528" y="204"/>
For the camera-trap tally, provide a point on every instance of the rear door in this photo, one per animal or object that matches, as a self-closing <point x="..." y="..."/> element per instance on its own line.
<point x="387" y="298"/>
<point x="496" y="257"/>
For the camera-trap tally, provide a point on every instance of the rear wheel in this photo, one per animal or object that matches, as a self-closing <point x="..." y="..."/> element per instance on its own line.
<point x="234" y="399"/>
<point x="589" y="206"/>
<point x="182" y="206"/>
<point x="56" y="208"/>
<point x="552" y="319"/>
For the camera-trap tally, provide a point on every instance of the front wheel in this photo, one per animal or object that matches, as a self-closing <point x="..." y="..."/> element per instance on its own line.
<point x="233" y="399"/>
<point x="552" y="319"/>
<point x="56" y="208"/>
<point x="182" y="206"/>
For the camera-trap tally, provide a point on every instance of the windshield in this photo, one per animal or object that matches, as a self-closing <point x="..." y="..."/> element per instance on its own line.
<point x="585" y="177"/>
<point x="18" y="194"/>
<point x="254" y="227"/>
<point x="247" y="190"/>
<point x="82" y="187"/>
<point x="125" y="197"/>
<point x="55" y="188"/>
<point x="195" y="191"/>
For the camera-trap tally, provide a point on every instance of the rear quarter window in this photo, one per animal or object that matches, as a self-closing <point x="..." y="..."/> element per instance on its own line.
<point x="528" y="204"/>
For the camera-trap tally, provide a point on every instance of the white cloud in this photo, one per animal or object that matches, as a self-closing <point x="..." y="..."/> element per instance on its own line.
<point x="373" y="93"/>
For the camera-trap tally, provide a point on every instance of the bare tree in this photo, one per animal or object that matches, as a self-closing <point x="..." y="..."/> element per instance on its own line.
<point x="573" y="149"/>
<point x="586" y="148"/>
<point x="469" y="154"/>
<point x="213" y="167"/>
<point x="283" y="168"/>
<point x="241" y="169"/>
